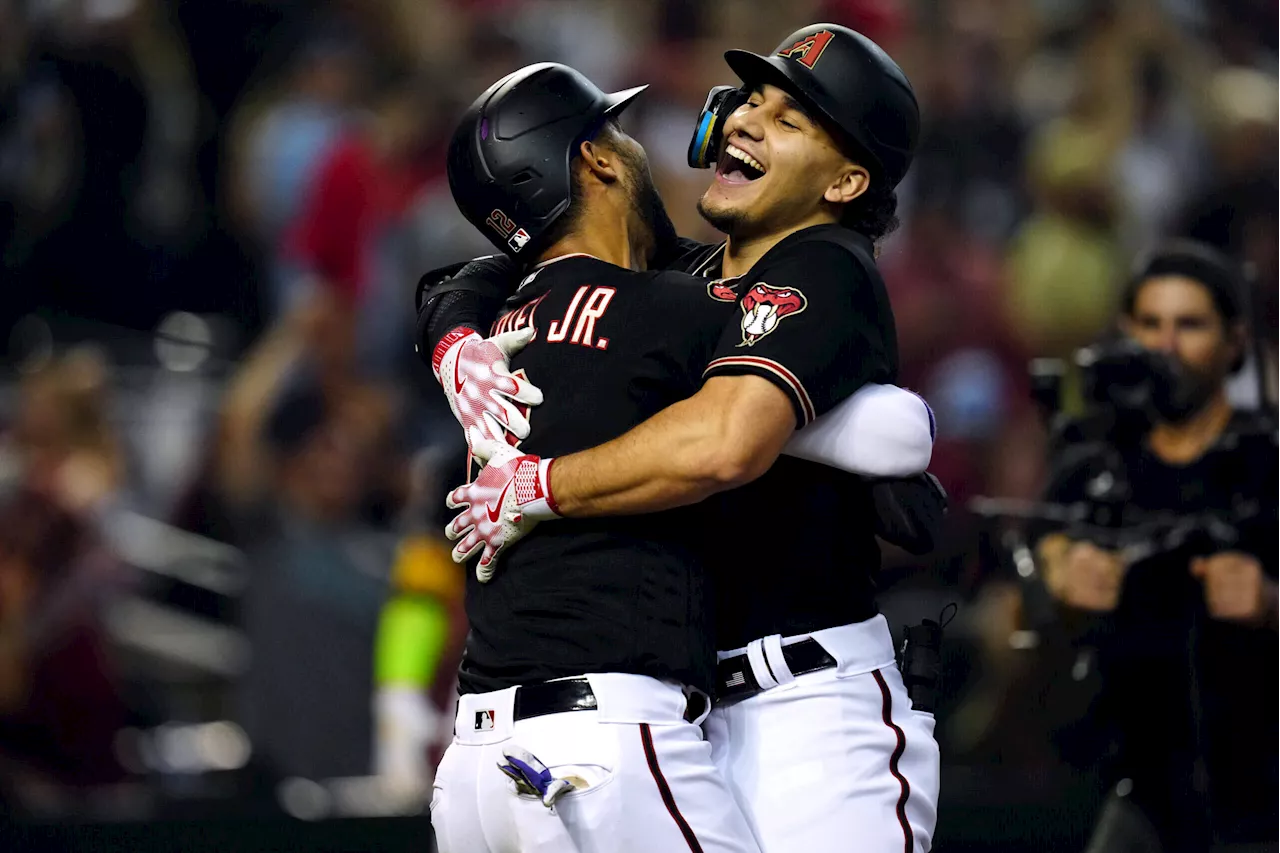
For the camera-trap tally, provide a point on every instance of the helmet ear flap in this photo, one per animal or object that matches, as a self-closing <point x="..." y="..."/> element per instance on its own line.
<point x="708" y="133"/>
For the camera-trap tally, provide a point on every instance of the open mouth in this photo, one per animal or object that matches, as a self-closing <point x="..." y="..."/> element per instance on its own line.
<point x="738" y="167"/>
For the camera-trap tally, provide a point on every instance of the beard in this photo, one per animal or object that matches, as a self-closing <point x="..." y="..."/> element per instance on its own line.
<point x="651" y="212"/>
<point x="724" y="221"/>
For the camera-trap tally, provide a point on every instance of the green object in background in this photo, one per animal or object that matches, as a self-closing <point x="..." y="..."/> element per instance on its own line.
<point x="412" y="632"/>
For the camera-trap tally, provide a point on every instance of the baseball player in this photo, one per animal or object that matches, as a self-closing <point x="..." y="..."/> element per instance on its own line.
<point x="814" y="729"/>
<point x="591" y="651"/>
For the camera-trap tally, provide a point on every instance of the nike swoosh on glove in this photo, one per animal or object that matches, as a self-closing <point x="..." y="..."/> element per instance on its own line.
<point x="506" y="500"/>
<point x="475" y="374"/>
<point x="532" y="777"/>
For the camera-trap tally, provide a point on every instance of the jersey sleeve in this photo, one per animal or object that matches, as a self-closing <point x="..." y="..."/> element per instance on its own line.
<point x="814" y="323"/>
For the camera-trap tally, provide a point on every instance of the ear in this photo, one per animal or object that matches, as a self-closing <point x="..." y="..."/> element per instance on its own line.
<point x="852" y="182"/>
<point x="601" y="161"/>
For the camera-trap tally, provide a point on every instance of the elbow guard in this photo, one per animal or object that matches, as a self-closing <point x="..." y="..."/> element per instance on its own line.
<point x="467" y="294"/>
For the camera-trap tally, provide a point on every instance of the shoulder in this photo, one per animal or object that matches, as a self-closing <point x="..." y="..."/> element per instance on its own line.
<point x="818" y="255"/>
<point x="692" y="257"/>
<point x="681" y="289"/>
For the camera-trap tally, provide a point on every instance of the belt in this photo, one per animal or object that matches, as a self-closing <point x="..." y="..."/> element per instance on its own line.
<point x="574" y="694"/>
<point x="735" y="679"/>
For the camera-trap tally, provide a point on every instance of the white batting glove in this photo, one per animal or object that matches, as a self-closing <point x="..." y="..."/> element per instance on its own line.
<point x="483" y="394"/>
<point x="506" y="500"/>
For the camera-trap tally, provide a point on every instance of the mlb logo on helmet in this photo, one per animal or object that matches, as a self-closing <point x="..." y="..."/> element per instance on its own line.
<point x="808" y="50"/>
<point x="518" y="240"/>
<point x="484" y="720"/>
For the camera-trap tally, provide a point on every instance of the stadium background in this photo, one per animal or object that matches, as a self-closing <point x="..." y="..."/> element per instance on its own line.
<point x="212" y="214"/>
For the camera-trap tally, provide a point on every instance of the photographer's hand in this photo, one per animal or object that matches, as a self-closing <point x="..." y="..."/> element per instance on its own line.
<point x="1082" y="575"/>
<point x="1236" y="589"/>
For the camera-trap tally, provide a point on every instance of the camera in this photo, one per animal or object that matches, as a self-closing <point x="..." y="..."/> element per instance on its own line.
<point x="1124" y="385"/>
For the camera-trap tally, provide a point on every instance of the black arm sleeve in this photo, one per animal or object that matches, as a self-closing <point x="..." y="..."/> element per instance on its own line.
<point x="468" y="294"/>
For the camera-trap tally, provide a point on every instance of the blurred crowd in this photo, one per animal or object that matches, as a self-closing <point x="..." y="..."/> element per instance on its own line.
<point x="268" y="175"/>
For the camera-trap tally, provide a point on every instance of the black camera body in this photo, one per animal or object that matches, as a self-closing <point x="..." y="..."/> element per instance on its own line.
<point x="1124" y="385"/>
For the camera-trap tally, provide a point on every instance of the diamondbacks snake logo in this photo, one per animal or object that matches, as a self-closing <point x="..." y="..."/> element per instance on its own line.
<point x="764" y="307"/>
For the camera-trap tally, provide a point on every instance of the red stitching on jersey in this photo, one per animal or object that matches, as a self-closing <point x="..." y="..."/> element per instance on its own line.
<point x="646" y="739"/>
<point x="887" y="712"/>
<point x="802" y="396"/>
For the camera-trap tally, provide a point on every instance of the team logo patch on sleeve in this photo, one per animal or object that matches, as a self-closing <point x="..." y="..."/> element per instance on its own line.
<point x="764" y="307"/>
<point x="721" y="290"/>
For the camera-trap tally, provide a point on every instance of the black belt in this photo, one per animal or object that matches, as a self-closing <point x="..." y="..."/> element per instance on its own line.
<point x="574" y="694"/>
<point x="734" y="678"/>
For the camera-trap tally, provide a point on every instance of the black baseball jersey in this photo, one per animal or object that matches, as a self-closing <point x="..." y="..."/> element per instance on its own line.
<point x="612" y="348"/>
<point x="795" y="551"/>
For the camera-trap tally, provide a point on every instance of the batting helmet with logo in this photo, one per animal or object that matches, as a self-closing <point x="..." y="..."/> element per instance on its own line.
<point x="509" y="162"/>
<point x="850" y="84"/>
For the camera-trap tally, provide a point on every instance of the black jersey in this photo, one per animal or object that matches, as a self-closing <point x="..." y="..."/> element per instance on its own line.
<point x="796" y="550"/>
<point x="612" y="348"/>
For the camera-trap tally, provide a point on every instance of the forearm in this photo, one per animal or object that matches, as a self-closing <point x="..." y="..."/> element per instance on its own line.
<point x="659" y="465"/>
<point x="693" y="449"/>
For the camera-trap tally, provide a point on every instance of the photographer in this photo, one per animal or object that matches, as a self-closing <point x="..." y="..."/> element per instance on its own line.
<point x="1183" y="628"/>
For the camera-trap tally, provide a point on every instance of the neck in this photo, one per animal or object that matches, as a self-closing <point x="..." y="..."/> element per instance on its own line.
<point x="616" y="245"/>
<point x="1187" y="441"/>
<point x="741" y="253"/>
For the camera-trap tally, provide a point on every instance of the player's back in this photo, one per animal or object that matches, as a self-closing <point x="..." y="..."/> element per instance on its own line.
<point x="612" y="347"/>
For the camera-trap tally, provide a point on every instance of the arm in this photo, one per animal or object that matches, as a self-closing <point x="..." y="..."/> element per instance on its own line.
<point x="727" y="434"/>
<point x="881" y="431"/>
<point x="455" y="305"/>
<point x="808" y="334"/>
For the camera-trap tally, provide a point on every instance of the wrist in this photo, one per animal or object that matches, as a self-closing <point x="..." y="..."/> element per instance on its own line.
<point x="448" y="342"/>
<point x="543" y="507"/>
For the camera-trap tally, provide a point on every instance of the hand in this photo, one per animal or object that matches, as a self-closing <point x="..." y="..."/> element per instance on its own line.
<point x="507" y="499"/>
<point x="482" y="392"/>
<point x="1087" y="577"/>
<point x="1235" y="588"/>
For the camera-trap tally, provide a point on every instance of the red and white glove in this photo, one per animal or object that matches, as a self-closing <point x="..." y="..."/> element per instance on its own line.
<point x="506" y="500"/>
<point x="475" y="374"/>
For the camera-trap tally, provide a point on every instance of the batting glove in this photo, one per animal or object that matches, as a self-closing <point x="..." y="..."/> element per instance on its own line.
<point x="532" y="777"/>
<point x="475" y="374"/>
<point x="507" y="499"/>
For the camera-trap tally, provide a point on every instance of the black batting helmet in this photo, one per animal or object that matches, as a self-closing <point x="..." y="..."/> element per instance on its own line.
<point x="509" y="160"/>
<point x="849" y="83"/>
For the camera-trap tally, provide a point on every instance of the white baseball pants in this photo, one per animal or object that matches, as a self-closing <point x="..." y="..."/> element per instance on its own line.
<point x="650" y="781"/>
<point x="832" y="760"/>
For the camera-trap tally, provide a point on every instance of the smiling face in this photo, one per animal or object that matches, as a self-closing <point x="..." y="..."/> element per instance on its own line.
<point x="779" y="170"/>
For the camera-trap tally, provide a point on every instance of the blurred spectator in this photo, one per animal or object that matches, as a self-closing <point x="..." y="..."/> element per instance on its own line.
<point x="64" y="445"/>
<point x="319" y="579"/>
<point x="1064" y="261"/>
<point x="287" y="145"/>
<point x="59" y="705"/>
<point x="1158" y="166"/>
<point x="946" y="287"/>
<point x="344" y="239"/>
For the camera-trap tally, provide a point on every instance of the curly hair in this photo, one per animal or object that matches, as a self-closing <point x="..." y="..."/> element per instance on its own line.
<point x="873" y="214"/>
